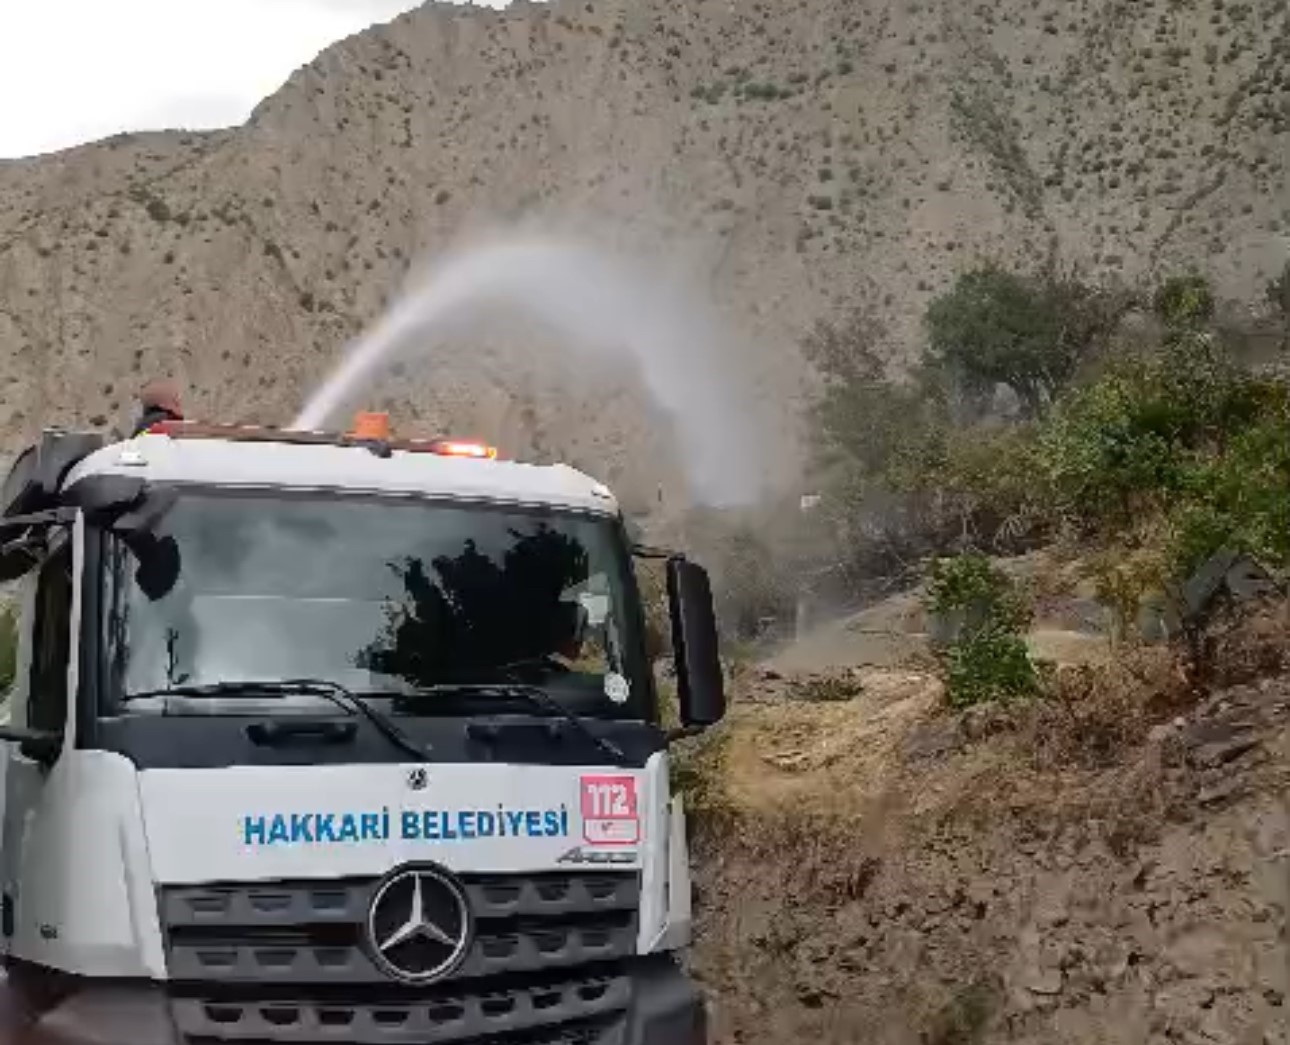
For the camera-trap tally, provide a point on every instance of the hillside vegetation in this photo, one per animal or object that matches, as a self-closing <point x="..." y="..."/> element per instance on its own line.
<point x="1013" y="805"/>
<point x="800" y="159"/>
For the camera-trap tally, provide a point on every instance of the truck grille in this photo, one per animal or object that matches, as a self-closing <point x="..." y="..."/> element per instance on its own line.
<point x="289" y="962"/>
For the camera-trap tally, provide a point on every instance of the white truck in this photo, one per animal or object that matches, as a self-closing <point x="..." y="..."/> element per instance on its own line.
<point x="327" y="739"/>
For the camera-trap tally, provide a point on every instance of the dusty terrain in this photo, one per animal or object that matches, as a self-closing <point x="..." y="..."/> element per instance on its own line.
<point x="797" y="158"/>
<point x="1112" y="868"/>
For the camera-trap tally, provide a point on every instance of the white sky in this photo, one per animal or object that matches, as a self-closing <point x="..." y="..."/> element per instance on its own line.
<point x="73" y="71"/>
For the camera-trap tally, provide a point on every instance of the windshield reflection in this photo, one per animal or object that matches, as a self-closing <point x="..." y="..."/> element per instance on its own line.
<point x="381" y="596"/>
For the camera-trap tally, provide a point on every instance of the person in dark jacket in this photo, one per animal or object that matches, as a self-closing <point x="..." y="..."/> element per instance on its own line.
<point x="160" y="402"/>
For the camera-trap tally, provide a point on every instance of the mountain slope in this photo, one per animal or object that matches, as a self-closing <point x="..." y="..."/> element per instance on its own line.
<point x="795" y="157"/>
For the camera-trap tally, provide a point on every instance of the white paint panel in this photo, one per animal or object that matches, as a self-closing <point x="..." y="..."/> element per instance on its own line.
<point x="653" y="910"/>
<point x="679" y="899"/>
<point x="84" y="901"/>
<point x="218" y="825"/>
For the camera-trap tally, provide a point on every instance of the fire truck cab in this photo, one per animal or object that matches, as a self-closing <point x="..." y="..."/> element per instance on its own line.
<point x="320" y="738"/>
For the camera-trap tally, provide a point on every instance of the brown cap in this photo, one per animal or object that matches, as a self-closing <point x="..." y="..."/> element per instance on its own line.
<point x="160" y="393"/>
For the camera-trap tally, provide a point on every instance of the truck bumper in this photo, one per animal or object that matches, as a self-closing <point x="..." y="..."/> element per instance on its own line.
<point x="666" y="1008"/>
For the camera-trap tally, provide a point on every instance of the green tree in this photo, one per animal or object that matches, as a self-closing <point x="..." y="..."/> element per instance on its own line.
<point x="1029" y="333"/>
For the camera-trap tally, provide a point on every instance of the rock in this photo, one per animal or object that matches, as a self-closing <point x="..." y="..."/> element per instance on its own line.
<point x="1220" y="754"/>
<point x="1044" y="982"/>
<point x="1220" y="792"/>
<point x="1142" y="872"/>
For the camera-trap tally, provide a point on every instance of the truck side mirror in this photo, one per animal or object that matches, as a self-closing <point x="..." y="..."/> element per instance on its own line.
<point x="699" y="680"/>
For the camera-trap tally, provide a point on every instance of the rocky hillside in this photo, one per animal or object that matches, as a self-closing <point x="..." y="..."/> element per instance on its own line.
<point x="1108" y="866"/>
<point x="799" y="157"/>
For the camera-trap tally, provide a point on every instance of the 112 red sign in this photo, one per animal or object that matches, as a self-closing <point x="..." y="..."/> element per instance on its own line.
<point x="610" y="810"/>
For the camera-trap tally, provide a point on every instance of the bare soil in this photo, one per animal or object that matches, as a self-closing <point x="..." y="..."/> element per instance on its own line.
<point x="1109" y="866"/>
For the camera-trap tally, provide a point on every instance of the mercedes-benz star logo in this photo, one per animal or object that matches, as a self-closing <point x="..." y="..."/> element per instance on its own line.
<point x="419" y="924"/>
<point x="418" y="779"/>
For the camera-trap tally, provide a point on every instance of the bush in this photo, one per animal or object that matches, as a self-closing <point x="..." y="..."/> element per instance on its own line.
<point x="1168" y="453"/>
<point x="1185" y="302"/>
<point x="1241" y="499"/>
<point x="973" y="586"/>
<point x="980" y="489"/>
<point x="1124" y="577"/>
<point x="1138" y="440"/>
<point x="991" y="664"/>
<point x="158" y="210"/>
<point x="986" y="657"/>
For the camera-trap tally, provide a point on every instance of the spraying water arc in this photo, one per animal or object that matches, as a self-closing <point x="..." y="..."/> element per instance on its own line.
<point x="596" y="304"/>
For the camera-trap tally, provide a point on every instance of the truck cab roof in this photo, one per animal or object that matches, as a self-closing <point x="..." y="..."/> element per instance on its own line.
<point x="268" y="459"/>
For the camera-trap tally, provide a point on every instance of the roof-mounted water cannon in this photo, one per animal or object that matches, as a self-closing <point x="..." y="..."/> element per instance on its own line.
<point x="372" y="429"/>
<point x="370" y="426"/>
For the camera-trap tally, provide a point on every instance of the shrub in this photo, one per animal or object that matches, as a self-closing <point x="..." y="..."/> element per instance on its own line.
<point x="1111" y="447"/>
<point x="1185" y="302"/>
<point x="991" y="664"/>
<point x="763" y="92"/>
<point x="1241" y="499"/>
<point x="970" y="584"/>
<point x="1168" y="453"/>
<point x="984" y="488"/>
<point x="986" y="658"/>
<point x="1124" y="577"/>
<point x="1133" y="441"/>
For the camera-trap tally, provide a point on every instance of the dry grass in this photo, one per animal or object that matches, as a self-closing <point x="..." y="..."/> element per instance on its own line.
<point x="1096" y="714"/>
<point x="1095" y="755"/>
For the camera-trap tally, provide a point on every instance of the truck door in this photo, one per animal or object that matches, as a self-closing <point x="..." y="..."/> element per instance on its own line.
<point x="36" y="865"/>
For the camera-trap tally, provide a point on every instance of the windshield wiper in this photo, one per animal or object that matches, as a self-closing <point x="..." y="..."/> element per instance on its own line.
<point x="536" y="697"/>
<point x="343" y="698"/>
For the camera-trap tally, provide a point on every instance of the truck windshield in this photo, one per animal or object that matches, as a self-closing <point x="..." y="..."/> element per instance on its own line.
<point x="381" y="596"/>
